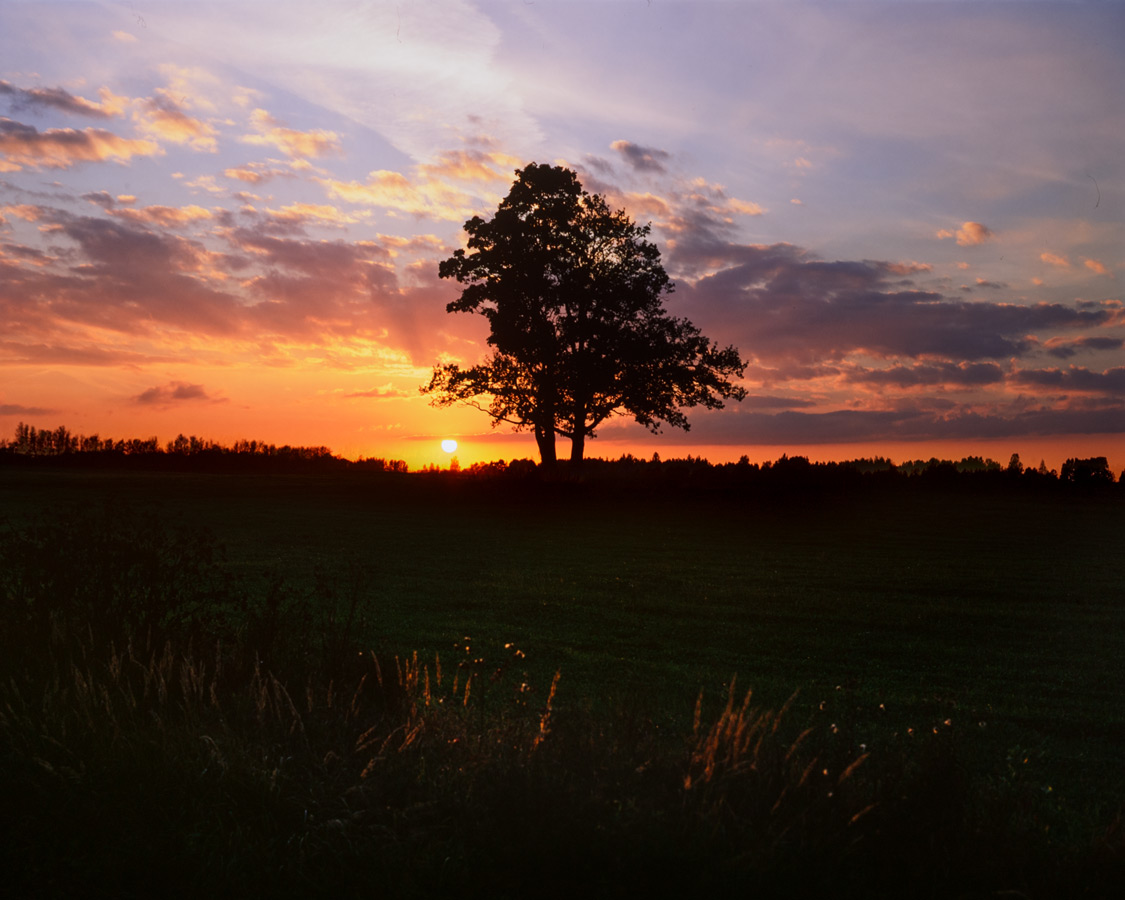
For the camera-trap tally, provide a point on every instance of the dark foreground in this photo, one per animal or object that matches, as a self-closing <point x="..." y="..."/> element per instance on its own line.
<point x="239" y="709"/>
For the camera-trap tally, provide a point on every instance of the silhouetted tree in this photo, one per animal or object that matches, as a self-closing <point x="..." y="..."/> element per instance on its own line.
<point x="573" y="293"/>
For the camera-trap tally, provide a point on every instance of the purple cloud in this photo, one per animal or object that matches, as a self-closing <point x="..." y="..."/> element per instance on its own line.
<point x="642" y="159"/>
<point x="907" y="424"/>
<point x="1075" y="378"/>
<point x="778" y="302"/>
<point x="930" y="375"/>
<point x="15" y="409"/>
<point x="174" y="392"/>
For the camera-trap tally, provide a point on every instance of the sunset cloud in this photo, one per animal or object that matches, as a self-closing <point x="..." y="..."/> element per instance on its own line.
<point x="15" y="409"/>
<point x="781" y="302"/>
<point x="103" y="199"/>
<point x="393" y="190"/>
<point x="162" y="118"/>
<point x="255" y="173"/>
<point x="321" y="213"/>
<point x="294" y="144"/>
<point x="1054" y="259"/>
<point x="21" y="254"/>
<point x="80" y="354"/>
<point x="764" y="401"/>
<point x="642" y="159"/>
<point x="968" y="235"/>
<point x="136" y="281"/>
<point x="60" y="148"/>
<point x="647" y="205"/>
<point x="986" y="284"/>
<point x="1094" y="266"/>
<point x="29" y="212"/>
<point x="61" y="100"/>
<point x="174" y="393"/>
<point x="386" y="392"/>
<point x="1075" y="378"/>
<point x="1066" y="348"/>
<point x="471" y="165"/>
<point x="164" y="216"/>
<point x="966" y="375"/>
<point x="789" y="428"/>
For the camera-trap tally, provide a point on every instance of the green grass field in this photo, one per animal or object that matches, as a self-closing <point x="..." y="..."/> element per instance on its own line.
<point x="997" y="616"/>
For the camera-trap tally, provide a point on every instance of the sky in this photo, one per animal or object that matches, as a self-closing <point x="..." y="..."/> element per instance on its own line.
<point x="226" y="219"/>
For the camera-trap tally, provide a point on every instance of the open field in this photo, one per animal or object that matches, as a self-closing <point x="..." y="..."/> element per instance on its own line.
<point x="995" y="616"/>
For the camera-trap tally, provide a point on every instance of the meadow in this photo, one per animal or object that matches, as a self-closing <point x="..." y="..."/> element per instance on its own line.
<point x="947" y="657"/>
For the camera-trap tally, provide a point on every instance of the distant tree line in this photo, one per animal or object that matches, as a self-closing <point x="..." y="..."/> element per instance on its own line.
<point x="63" y="445"/>
<point x="788" y="472"/>
<point x="799" y="471"/>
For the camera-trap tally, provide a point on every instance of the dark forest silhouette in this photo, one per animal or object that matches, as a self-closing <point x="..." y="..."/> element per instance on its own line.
<point x="61" y="447"/>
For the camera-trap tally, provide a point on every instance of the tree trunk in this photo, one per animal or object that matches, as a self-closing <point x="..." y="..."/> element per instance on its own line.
<point x="578" y="439"/>
<point x="545" y="438"/>
<point x="577" y="448"/>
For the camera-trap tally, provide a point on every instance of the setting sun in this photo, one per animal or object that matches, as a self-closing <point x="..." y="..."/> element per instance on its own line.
<point x="449" y="445"/>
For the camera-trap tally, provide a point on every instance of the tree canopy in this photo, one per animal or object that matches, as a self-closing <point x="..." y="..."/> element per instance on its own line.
<point x="574" y="294"/>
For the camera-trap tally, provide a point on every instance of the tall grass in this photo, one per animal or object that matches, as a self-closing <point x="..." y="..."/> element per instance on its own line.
<point x="164" y="731"/>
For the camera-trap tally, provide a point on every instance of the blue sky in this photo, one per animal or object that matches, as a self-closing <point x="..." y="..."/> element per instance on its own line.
<point x="226" y="218"/>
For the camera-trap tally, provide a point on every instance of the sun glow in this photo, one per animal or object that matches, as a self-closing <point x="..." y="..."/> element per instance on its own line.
<point x="449" y="445"/>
